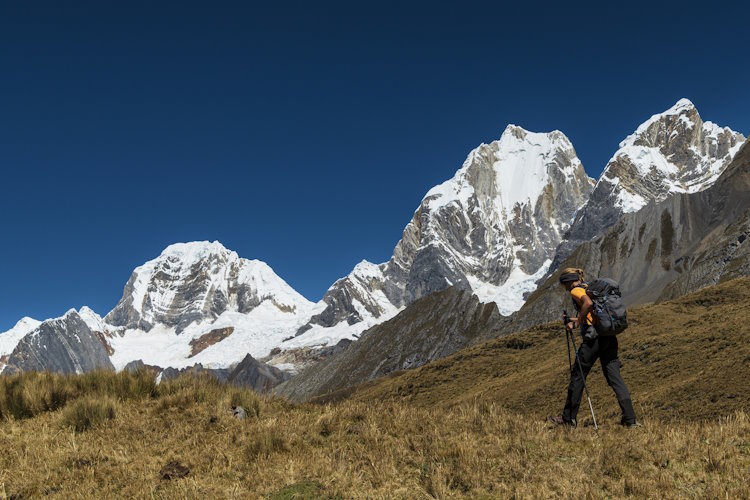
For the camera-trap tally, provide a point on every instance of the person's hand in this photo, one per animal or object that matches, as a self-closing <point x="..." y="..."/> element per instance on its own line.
<point x="571" y="325"/>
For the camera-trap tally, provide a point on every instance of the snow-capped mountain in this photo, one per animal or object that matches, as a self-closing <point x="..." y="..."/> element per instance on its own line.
<point x="198" y="281"/>
<point x="201" y="303"/>
<point x="195" y="303"/>
<point x="9" y="339"/>
<point x="671" y="152"/>
<point x="63" y="345"/>
<point x="492" y="229"/>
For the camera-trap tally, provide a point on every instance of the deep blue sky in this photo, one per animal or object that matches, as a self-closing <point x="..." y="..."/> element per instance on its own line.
<point x="304" y="134"/>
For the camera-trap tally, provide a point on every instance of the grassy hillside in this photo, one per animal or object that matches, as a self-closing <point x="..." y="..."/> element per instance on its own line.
<point x="471" y="425"/>
<point x="180" y="441"/>
<point x="687" y="359"/>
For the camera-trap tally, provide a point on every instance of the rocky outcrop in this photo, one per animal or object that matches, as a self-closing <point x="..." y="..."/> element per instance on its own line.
<point x="207" y="340"/>
<point x="430" y="328"/>
<point x="256" y="375"/>
<point x="62" y="345"/>
<point x="220" y="374"/>
<point x="503" y="212"/>
<point x="139" y="365"/>
<point x="248" y="373"/>
<point x="295" y="360"/>
<point x="672" y="152"/>
<point x="665" y="250"/>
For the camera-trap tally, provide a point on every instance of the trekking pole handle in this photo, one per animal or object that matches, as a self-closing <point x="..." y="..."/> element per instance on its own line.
<point x="566" y="319"/>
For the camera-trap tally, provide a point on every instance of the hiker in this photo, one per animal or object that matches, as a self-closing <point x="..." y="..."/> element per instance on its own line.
<point x="593" y="347"/>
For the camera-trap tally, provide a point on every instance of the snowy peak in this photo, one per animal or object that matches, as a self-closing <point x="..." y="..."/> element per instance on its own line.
<point x="366" y="269"/>
<point x="62" y="345"/>
<point x="671" y="152"/>
<point x="515" y="177"/>
<point x="496" y="222"/>
<point x="193" y="281"/>
<point x="93" y="321"/>
<point x="526" y="163"/>
<point x="511" y="172"/>
<point x="24" y="324"/>
<point x="194" y="251"/>
<point x="514" y="136"/>
<point x="9" y="339"/>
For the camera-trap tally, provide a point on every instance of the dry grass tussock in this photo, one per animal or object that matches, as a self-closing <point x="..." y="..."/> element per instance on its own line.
<point x="179" y="439"/>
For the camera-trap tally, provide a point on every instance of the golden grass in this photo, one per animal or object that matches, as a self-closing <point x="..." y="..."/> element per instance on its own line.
<point x="88" y="412"/>
<point x="355" y="449"/>
<point x="28" y="394"/>
<point x="471" y="425"/>
<point x="688" y="359"/>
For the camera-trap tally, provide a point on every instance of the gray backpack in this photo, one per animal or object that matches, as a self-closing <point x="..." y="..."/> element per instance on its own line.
<point x="609" y="309"/>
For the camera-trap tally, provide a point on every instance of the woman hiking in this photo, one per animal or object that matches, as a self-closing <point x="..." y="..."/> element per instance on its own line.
<point x="593" y="347"/>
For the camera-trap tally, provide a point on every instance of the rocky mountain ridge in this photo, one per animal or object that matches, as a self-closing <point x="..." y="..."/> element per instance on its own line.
<point x="61" y="345"/>
<point x="491" y="230"/>
<point x="430" y="328"/>
<point x="665" y="250"/>
<point x="10" y="339"/>
<point x="671" y="152"/>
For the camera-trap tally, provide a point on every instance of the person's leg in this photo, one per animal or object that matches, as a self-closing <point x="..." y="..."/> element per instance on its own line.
<point x="587" y="354"/>
<point x="611" y="369"/>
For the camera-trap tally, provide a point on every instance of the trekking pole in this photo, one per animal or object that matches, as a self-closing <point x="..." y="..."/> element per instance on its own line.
<point x="567" y="338"/>
<point x="572" y="336"/>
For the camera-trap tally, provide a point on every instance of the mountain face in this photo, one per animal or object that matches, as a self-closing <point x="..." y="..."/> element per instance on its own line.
<point x="260" y="376"/>
<point x="492" y="229"/>
<point x="430" y="328"/>
<point x="199" y="303"/>
<point x="192" y="282"/>
<point x="514" y="211"/>
<point x="10" y="339"/>
<point x="665" y="250"/>
<point x="62" y="345"/>
<point x="672" y="152"/>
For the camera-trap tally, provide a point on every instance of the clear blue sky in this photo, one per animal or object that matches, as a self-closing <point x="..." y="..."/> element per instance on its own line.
<point x="304" y="134"/>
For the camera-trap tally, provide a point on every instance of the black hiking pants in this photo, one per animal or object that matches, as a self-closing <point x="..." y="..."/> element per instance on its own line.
<point x="604" y="348"/>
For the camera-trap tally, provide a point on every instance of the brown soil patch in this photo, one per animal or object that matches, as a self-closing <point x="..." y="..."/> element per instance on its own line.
<point x="173" y="470"/>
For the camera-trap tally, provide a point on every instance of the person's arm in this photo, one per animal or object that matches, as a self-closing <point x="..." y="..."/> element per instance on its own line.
<point x="586" y="306"/>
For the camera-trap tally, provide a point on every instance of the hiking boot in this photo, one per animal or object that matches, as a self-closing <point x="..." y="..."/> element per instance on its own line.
<point x="559" y="420"/>
<point x="630" y="424"/>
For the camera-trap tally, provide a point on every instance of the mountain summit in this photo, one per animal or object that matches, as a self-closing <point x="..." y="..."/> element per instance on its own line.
<point x="671" y="152"/>
<point x="492" y="229"/>
<point x="190" y="282"/>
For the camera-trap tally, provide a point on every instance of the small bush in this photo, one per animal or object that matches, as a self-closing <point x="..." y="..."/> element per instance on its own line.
<point x="187" y="390"/>
<point x="28" y="394"/>
<point x="86" y="413"/>
<point x="123" y="385"/>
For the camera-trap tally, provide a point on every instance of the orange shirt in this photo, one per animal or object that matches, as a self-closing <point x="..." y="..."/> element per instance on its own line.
<point x="578" y="293"/>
